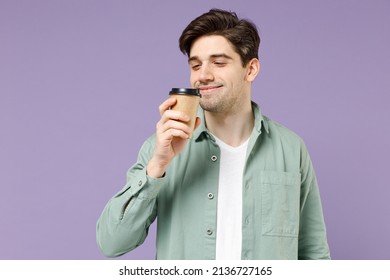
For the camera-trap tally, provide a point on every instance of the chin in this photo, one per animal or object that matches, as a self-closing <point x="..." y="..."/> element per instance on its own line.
<point x="214" y="108"/>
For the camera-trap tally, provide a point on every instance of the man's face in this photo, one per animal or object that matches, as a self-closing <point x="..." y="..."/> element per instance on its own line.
<point x="217" y="71"/>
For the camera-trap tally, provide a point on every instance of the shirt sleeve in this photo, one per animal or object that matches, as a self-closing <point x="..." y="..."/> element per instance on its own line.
<point x="312" y="232"/>
<point x="125" y="220"/>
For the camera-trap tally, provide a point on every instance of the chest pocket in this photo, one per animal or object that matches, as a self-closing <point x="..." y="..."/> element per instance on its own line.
<point x="280" y="196"/>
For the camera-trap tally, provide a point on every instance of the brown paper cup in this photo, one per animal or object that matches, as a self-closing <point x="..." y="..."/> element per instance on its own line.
<point x="187" y="102"/>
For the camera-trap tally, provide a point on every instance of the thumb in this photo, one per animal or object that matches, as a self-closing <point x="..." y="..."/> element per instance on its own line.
<point x="198" y="121"/>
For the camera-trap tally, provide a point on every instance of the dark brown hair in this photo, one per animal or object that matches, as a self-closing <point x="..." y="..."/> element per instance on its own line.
<point x="241" y="33"/>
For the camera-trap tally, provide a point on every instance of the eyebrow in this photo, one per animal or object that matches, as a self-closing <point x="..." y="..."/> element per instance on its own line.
<point x="219" y="55"/>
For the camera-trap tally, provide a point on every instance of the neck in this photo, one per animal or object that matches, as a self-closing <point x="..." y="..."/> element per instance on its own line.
<point x="233" y="128"/>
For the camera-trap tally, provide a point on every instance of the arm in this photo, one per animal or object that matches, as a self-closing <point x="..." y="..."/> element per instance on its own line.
<point x="125" y="220"/>
<point x="312" y="242"/>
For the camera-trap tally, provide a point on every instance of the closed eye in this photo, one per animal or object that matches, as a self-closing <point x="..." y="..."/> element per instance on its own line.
<point x="220" y="63"/>
<point x="195" y="66"/>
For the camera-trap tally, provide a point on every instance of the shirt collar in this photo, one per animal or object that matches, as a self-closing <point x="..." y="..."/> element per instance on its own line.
<point x="202" y="130"/>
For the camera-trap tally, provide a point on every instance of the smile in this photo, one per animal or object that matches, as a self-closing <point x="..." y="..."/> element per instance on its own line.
<point x="207" y="89"/>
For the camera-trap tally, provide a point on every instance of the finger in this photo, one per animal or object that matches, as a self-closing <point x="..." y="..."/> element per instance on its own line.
<point x="174" y="115"/>
<point x="173" y="124"/>
<point x="166" y="105"/>
<point x="177" y="133"/>
<point x="167" y="136"/>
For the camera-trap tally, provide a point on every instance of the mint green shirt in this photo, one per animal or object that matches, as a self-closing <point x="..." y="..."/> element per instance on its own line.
<point x="281" y="217"/>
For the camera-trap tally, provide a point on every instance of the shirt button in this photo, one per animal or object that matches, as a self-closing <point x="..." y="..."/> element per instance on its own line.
<point x="214" y="158"/>
<point x="140" y="183"/>
<point x="247" y="221"/>
<point x="209" y="232"/>
<point x="210" y="196"/>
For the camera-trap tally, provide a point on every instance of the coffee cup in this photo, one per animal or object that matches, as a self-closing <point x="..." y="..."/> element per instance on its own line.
<point x="187" y="101"/>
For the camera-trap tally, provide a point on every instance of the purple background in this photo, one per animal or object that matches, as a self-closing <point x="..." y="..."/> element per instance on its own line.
<point x="80" y="85"/>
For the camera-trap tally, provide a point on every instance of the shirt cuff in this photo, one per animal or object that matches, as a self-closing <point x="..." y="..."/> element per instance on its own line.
<point x="145" y="187"/>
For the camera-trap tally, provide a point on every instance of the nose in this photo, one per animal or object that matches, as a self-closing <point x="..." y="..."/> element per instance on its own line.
<point x="205" y="74"/>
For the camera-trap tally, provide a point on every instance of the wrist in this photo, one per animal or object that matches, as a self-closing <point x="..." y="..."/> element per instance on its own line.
<point x="155" y="170"/>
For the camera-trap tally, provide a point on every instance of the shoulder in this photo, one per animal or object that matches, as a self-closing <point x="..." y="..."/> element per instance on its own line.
<point x="279" y="131"/>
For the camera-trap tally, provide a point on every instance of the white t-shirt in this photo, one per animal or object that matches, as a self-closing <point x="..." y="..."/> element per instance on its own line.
<point x="229" y="209"/>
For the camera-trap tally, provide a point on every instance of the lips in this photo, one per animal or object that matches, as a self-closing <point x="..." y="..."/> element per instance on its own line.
<point x="209" y="88"/>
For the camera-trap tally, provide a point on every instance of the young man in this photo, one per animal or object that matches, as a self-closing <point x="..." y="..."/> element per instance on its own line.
<point x="243" y="187"/>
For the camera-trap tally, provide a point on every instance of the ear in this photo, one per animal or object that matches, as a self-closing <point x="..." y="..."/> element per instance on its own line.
<point x="253" y="68"/>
